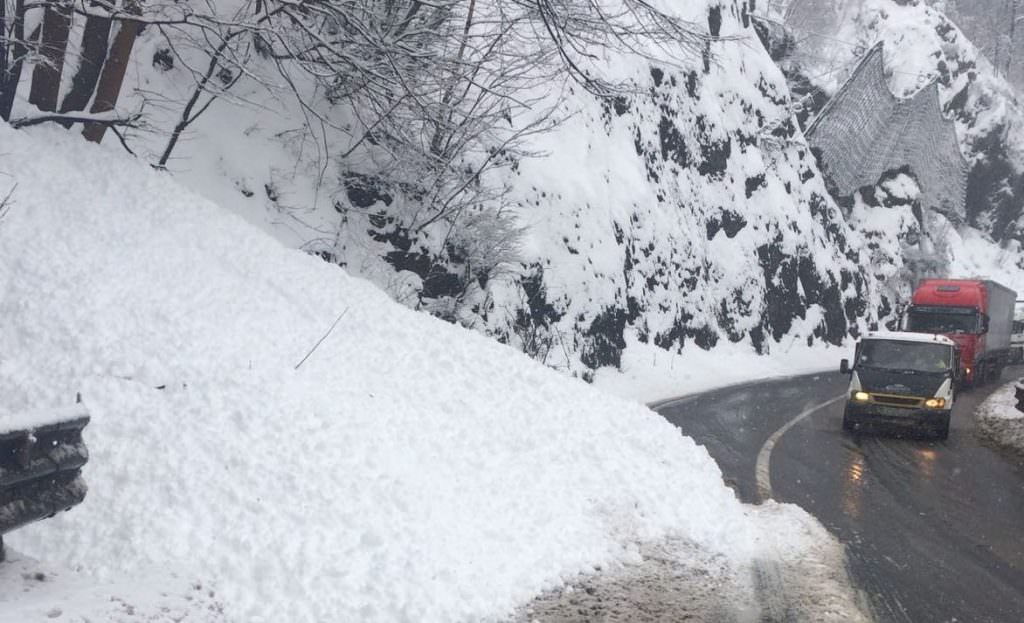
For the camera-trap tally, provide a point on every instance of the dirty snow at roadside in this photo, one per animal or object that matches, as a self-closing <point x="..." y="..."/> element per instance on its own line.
<point x="34" y="591"/>
<point x="408" y="470"/>
<point x="1000" y="421"/>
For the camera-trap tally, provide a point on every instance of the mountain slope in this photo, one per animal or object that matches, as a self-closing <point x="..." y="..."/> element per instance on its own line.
<point x="685" y="212"/>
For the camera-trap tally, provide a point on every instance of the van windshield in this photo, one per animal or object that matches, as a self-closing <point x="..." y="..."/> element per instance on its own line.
<point x="894" y="355"/>
<point x="939" y="321"/>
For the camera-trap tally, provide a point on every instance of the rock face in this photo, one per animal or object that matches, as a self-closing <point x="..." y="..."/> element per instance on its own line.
<point x="865" y="130"/>
<point x="686" y="212"/>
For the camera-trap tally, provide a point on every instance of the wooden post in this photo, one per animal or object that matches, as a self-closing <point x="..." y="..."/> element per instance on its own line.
<point x="109" y="87"/>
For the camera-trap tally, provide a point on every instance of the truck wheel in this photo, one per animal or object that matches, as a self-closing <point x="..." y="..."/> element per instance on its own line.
<point x="981" y="375"/>
<point x="942" y="430"/>
<point x="848" y="424"/>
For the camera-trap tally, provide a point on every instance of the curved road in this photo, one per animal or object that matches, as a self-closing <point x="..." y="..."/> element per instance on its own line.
<point x="934" y="530"/>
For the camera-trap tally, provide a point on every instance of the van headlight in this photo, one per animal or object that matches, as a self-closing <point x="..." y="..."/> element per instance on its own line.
<point x="935" y="403"/>
<point x="861" y="396"/>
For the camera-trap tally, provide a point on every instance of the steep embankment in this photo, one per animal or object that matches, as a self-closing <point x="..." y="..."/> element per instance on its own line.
<point x="905" y="240"/>
<point x="685" y="212"/>
<point x="400" y="469"/>
<point x="921" y="46"/>
<point x="690" y="213"/>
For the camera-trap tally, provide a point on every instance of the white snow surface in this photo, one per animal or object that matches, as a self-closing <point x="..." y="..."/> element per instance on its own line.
<point x="33" y="591"/>
<point x="11" y="422"/>
<point x="999" y="419"/>
<point x="409" y="470"/>
<point x="650" y="374"/>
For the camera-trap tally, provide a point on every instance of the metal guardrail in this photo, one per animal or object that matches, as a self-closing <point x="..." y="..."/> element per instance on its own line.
<point x="40" y="469"/>
<point x="1019" y="394"/>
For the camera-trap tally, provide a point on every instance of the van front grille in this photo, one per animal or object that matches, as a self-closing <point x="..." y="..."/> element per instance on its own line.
<point x="897" y="401"/>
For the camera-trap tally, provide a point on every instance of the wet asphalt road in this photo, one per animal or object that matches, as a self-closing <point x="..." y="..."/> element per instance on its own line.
<point x="934" y="530"/>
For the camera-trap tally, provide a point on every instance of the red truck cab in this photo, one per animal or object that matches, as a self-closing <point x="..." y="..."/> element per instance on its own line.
<point x="977" y="314"/>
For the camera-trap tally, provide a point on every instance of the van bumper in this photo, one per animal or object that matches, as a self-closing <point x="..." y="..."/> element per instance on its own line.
<point x="861" y="413"/>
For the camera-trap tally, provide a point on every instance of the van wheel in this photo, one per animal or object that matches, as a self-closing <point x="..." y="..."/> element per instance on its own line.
<point x="942" y="430"/>
<point x="848" y="424"/>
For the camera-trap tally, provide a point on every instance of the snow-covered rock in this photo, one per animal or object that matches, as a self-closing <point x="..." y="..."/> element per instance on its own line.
<point x="685" y="213"/>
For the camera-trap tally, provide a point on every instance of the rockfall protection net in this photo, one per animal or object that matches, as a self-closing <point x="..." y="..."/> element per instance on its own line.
<point x="865" y="130"/>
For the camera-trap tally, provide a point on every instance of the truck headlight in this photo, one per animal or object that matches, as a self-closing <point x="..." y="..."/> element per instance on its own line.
<point x="935" y="403"/>
<point x="861" y="396"/>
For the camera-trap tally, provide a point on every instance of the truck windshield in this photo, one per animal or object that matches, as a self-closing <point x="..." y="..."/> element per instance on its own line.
<point x="936" y="321"/>
<point x="894" y="355"/>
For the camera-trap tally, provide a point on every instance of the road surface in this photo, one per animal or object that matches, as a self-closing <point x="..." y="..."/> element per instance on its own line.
<point x="934" y="530"/>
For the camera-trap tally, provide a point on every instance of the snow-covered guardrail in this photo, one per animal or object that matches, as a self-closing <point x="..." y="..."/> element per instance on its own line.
<point x="41" y="456"/>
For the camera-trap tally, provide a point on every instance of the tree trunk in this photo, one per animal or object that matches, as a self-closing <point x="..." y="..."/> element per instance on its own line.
<point x="10" y="79"/>
<point x="94" y="53"/>
<point x="46" y="76"/>
<point x="111" y="78"/>
<point x="3" y="46"/>
<point x="1011" y="45"/>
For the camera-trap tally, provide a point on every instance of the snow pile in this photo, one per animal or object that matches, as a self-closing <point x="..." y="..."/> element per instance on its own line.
<point x="1000" y="421"/>
<point x="407" y="470"/>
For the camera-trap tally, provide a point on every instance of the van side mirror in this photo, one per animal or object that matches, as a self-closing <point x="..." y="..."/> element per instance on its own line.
<point x="844" y="366"/>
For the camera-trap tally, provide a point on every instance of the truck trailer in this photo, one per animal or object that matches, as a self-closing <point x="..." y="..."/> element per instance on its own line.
<point x="977" y="314"/>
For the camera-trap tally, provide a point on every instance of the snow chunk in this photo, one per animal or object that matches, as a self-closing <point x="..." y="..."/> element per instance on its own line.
<point x="1000" y="421"/>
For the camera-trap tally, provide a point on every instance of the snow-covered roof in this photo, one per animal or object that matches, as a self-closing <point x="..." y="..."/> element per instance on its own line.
<point x="905" y="336"/>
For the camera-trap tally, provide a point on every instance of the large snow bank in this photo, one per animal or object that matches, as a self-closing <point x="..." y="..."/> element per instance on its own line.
<point x="1000" y="421"/>
<point x="408" y="470"/>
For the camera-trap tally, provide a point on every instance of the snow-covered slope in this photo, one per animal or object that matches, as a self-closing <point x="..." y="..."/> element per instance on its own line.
<point x="408" y="469"/>
<point x="922" y="45"/>
<point x="687" y="212"/>
<point x="904" y="242"/>
<point x="690" y="213"/>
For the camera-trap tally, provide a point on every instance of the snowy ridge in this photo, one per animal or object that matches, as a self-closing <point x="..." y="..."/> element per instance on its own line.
<point x="408" y="470"/>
